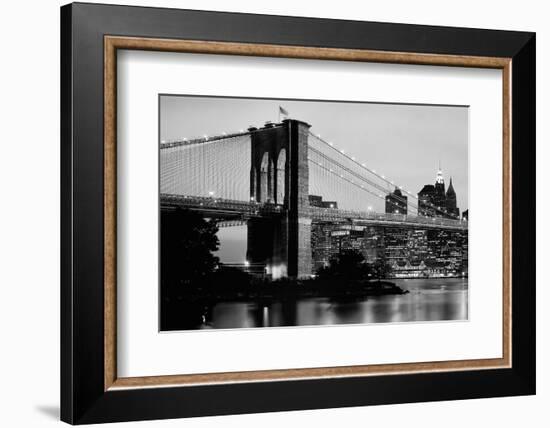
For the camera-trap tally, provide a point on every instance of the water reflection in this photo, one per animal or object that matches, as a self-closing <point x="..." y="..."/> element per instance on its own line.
<point x="427" y="300"/>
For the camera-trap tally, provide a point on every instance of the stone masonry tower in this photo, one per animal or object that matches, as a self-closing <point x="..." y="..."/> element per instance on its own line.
<point x="279" y="174"/>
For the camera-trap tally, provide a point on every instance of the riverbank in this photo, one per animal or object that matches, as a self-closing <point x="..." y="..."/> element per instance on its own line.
<point x="294" y="289"/>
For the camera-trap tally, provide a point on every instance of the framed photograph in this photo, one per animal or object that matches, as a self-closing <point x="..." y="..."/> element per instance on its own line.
<point x="265" y="213"/>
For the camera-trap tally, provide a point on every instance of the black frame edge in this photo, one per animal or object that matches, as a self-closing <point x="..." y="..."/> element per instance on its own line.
<point x="524" y="214"/>
<point x="66" y="306"/>
<point x="305" y="31"/>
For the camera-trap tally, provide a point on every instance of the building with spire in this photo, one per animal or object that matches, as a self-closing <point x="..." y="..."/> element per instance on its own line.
<point x="434" y="201"/>
<point x="450" y="196"/>
<point x="439" y="194"/>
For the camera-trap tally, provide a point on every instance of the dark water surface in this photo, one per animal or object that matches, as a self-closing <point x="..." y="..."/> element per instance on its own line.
<point x="427" y="300"/>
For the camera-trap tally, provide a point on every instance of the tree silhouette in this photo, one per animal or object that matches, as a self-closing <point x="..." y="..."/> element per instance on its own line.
<point x="381" y="269"/>
<point x="348" y="264"/>
<point x="187" y="244"/>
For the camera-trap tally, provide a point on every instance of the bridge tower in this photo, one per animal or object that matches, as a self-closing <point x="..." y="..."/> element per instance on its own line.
<point x="279" y="174"/>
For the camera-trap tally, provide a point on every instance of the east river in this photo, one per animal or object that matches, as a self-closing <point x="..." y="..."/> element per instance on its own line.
<point x="428" y="300"/>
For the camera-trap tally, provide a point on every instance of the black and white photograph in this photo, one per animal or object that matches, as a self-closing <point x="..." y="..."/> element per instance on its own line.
<point x="282" y="213"/>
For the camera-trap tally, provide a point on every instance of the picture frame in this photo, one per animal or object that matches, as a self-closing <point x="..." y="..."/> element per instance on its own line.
<point x="91" y="391"/>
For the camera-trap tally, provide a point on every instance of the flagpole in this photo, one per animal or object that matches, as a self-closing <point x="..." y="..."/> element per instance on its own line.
<point x="284" y="112"/>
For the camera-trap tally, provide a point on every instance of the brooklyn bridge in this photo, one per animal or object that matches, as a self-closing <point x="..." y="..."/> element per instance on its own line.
<point x="300" y="198"/>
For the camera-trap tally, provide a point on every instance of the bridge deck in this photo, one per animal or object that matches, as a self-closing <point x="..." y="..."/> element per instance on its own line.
<point x="226" y="209"/>
<point x="382" y="219"/>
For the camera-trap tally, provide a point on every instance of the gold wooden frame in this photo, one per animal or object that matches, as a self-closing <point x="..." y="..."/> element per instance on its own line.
<point x="113" y="43"/>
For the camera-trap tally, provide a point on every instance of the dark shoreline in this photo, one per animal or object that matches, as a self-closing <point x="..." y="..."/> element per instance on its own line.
<point x="284" y="290"/>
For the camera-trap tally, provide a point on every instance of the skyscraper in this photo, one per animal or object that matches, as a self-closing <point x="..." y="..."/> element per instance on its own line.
<point x="433" y="201"/>
<point x="396" y="202"/>
<point x="439" y="194"/>
<point x="426" y="201"/>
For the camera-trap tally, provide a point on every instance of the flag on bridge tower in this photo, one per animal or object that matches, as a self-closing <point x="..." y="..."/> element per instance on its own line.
<point x="283" y="112"/>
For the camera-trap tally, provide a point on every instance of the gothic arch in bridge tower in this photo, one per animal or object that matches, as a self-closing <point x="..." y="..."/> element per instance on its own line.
<point x="266" y="179"/>
<point x="280" y="178"/>
<point x="253" y="184"/>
